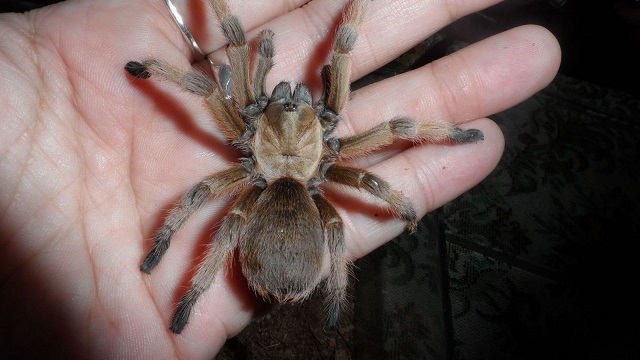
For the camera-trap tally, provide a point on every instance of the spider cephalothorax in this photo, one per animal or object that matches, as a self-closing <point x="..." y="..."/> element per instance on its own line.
<point x="280" y="222"/>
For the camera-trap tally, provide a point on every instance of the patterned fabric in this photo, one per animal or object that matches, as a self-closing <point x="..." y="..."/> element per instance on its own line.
<point x="539" y="255"/>
<point x="401" y="307"/>
<point x="540" y="258"/>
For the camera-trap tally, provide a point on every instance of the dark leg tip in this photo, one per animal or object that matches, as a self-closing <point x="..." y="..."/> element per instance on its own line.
<point x="332" y="315"/>
<point x="330" y="325"/>
<point x="159" y="248"/>
<point x="181" y="317"/>
<point x="137" y="69"/>
<point x="149" y="263"/>
<point x="465" y="136"/>
<point x="329" y="328"/>
<point x="408" y="214"/>
<point x="145" y="268"/>
<point x="176" y="328"/>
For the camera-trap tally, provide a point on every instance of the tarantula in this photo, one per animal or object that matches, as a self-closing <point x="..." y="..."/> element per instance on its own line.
<point x="280" y="222"/>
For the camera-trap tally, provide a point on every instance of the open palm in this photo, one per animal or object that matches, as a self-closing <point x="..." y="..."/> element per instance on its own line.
<point x="91" y="159"/>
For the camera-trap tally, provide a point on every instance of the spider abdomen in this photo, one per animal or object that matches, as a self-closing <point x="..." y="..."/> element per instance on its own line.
<point x="282" y="245"/>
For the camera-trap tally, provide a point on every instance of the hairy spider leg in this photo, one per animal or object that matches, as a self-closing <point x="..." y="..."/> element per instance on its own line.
<point x="238" y="53"/>
<point x="222" y="182"/>
<point x="337" y="281"/>
<point x="195" y="82"/>
<point x="404" y="128"/>
<point x="384" y="134"/>
<point x="338" y="73"/>
<point x="218" y="255"/>
<point x="364" y="180"/>
<point x="265" y="63"/>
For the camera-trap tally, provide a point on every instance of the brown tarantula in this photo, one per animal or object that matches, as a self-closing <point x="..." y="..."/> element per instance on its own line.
<point x="280" y="222"/>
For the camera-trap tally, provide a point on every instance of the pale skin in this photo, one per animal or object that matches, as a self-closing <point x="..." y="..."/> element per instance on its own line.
<point x="92" y="159"/>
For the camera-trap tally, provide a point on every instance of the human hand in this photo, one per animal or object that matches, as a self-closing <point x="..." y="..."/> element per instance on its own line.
<point x="92" y="159"/>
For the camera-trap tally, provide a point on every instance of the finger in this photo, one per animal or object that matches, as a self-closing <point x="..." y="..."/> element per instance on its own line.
<point x="477" y="81"/>
<point x="303" y="36"/>
<point x="429" y="175"/>
<point x="254" y="16"/>
<point x="152" y="32"/>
